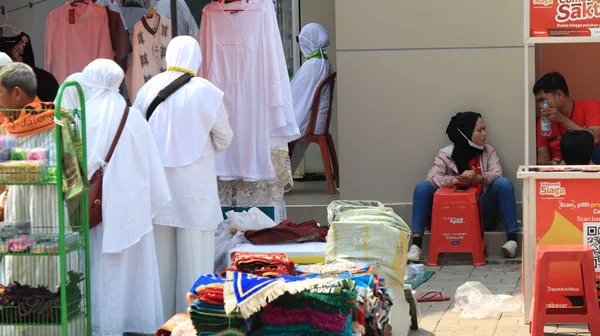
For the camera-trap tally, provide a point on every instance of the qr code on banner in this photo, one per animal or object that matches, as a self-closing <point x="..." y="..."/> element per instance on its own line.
<point x="591" y="236"/>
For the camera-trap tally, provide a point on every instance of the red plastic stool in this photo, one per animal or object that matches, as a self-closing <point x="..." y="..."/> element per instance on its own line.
<point x="540" y="315"/>
<point x="456" y="225"/>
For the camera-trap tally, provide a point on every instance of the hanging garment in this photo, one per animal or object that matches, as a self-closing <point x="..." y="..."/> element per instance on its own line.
<point x="71" y="45"/>
<point x="114" y="6"/>
<point x="119" y="38"/>
<point x="189" y="128"/>
<point x="18" y="48"/>
<point x="244" y="58"/>
<point x="313" y="40"/>
<point x="186" y="24"/>
<point x="149" y="52"/>
<point x="47" y="85"/>
<point x="123" y="257"/>
<point x="251" y="194"/>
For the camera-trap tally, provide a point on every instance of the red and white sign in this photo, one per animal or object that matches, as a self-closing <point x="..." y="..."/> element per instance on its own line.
<point x="564" y="18"/>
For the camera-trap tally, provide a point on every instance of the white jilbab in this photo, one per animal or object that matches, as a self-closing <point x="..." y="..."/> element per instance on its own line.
<point x="190" y="127"/>
<point x="313" y="39"/>
<point x="123" y="257"/>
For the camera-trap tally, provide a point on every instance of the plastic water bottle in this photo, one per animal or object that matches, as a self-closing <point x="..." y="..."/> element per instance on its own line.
<point x="545" y="122"/>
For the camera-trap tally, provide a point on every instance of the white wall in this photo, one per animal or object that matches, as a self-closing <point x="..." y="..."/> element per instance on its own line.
<point x="405" y="68"/>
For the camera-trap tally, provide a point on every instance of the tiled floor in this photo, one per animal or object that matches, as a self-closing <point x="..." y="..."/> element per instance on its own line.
<point x="439" y="318"/>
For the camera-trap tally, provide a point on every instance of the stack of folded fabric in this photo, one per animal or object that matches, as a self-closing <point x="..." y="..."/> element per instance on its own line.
<point x="371" y="315"/>
<point x="365" y="231"/>
<point x="324" y="309"/>
<point x="207" y="311"/>
<point x="264" y="264"/>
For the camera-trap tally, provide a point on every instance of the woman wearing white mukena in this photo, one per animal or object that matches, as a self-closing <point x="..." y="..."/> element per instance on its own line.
<point x="189" y="127"/>
<point x="313" y="40"/>
<point x="124" y="271"/>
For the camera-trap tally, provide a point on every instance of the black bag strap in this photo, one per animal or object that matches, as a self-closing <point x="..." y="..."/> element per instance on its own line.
<point x="166" y="92"/>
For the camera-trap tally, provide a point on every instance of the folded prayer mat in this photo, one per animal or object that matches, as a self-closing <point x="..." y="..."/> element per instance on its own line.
<point x="302" y="329"/>
<point x="248" y="293"/>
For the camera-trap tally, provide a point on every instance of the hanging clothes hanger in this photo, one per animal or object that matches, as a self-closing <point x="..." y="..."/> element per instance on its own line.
<point x="5" y="24"/>
<point x="230" y="1"/>
<point x="151" y="14"/>
<point x="75" y="2"/>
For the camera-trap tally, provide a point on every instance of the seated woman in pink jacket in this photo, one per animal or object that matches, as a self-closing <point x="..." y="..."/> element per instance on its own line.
<point x="469" y="160"/>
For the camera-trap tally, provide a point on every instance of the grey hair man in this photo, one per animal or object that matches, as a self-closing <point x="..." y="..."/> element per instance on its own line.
<point x="18" y="85"/>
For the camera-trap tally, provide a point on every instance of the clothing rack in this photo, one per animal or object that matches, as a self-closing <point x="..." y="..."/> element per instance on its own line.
<point x="30" y="5"/>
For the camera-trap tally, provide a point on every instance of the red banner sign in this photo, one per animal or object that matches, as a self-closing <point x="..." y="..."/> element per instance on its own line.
<point x="564" y="18"/>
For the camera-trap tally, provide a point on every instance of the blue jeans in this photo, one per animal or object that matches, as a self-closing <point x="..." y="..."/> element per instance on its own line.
<point x="596" y="156"/>
<point x="500" y="195"/>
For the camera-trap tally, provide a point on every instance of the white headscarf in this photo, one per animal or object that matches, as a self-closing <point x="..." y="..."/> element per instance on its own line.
<point x="104" y="108"/>
<point x="312" y="37"/>
<point x="182" y="123"/>
<point x="4" y="59"/>
<point x="138" y="187"/>
<point x="70" y="98"/>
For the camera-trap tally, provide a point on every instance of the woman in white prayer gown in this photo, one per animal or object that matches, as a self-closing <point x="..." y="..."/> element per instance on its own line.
<point x="189" y="127"/>
<point x="124" y="270"/>
<point x="313" y="40"/>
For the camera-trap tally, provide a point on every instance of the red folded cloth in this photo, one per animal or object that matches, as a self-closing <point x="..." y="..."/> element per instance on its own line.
<point x="288" y="233"/>
<point x="261" y="264"/>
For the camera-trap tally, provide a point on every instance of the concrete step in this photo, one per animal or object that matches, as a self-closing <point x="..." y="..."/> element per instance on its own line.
<point x="493" y="240"/>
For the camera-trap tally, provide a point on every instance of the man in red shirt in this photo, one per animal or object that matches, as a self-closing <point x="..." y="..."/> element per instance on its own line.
<point x="565" y="114"/>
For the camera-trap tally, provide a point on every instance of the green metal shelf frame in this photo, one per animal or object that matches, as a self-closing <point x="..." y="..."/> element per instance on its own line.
<point x="63" y="250"/>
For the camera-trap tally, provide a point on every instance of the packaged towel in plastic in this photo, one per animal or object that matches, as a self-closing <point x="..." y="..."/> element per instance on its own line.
<point x="336" y="207"/>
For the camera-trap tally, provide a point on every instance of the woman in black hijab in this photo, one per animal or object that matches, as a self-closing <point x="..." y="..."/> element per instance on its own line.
<point x="467" y="162"/>
<point x="462" y="130"/>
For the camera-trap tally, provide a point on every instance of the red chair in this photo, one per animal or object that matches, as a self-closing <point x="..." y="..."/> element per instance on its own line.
<point x="325" y="140"/>
<point x="456" y="225"/>
<point x="589" y="314"/>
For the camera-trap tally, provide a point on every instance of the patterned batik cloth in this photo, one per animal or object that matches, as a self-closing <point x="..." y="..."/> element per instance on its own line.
<point x="263" y="264"/>
<point x="149" y="52"/>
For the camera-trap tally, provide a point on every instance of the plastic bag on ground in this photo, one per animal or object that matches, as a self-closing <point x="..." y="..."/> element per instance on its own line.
<point x="253" y="219"/>
<point x="474" y="300"/>
<point x="230" y="232"/>
<point x="413" y="272"/>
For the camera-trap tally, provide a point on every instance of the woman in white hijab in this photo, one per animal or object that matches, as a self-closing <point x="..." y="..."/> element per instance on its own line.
<point x="313" y="40"/>
<point x="4" y="59"/>
<point x="123" y="257"/>
<point x="189" y="127"/>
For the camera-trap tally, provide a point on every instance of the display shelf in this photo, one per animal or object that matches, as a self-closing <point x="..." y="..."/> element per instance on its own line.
<point x="39" y="245"/>
<point x="44" y="240"/>
<point x="17" y="174"/>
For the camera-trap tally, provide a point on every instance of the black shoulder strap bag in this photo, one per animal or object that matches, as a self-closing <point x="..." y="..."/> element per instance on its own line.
<point x="166" y="92"/>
